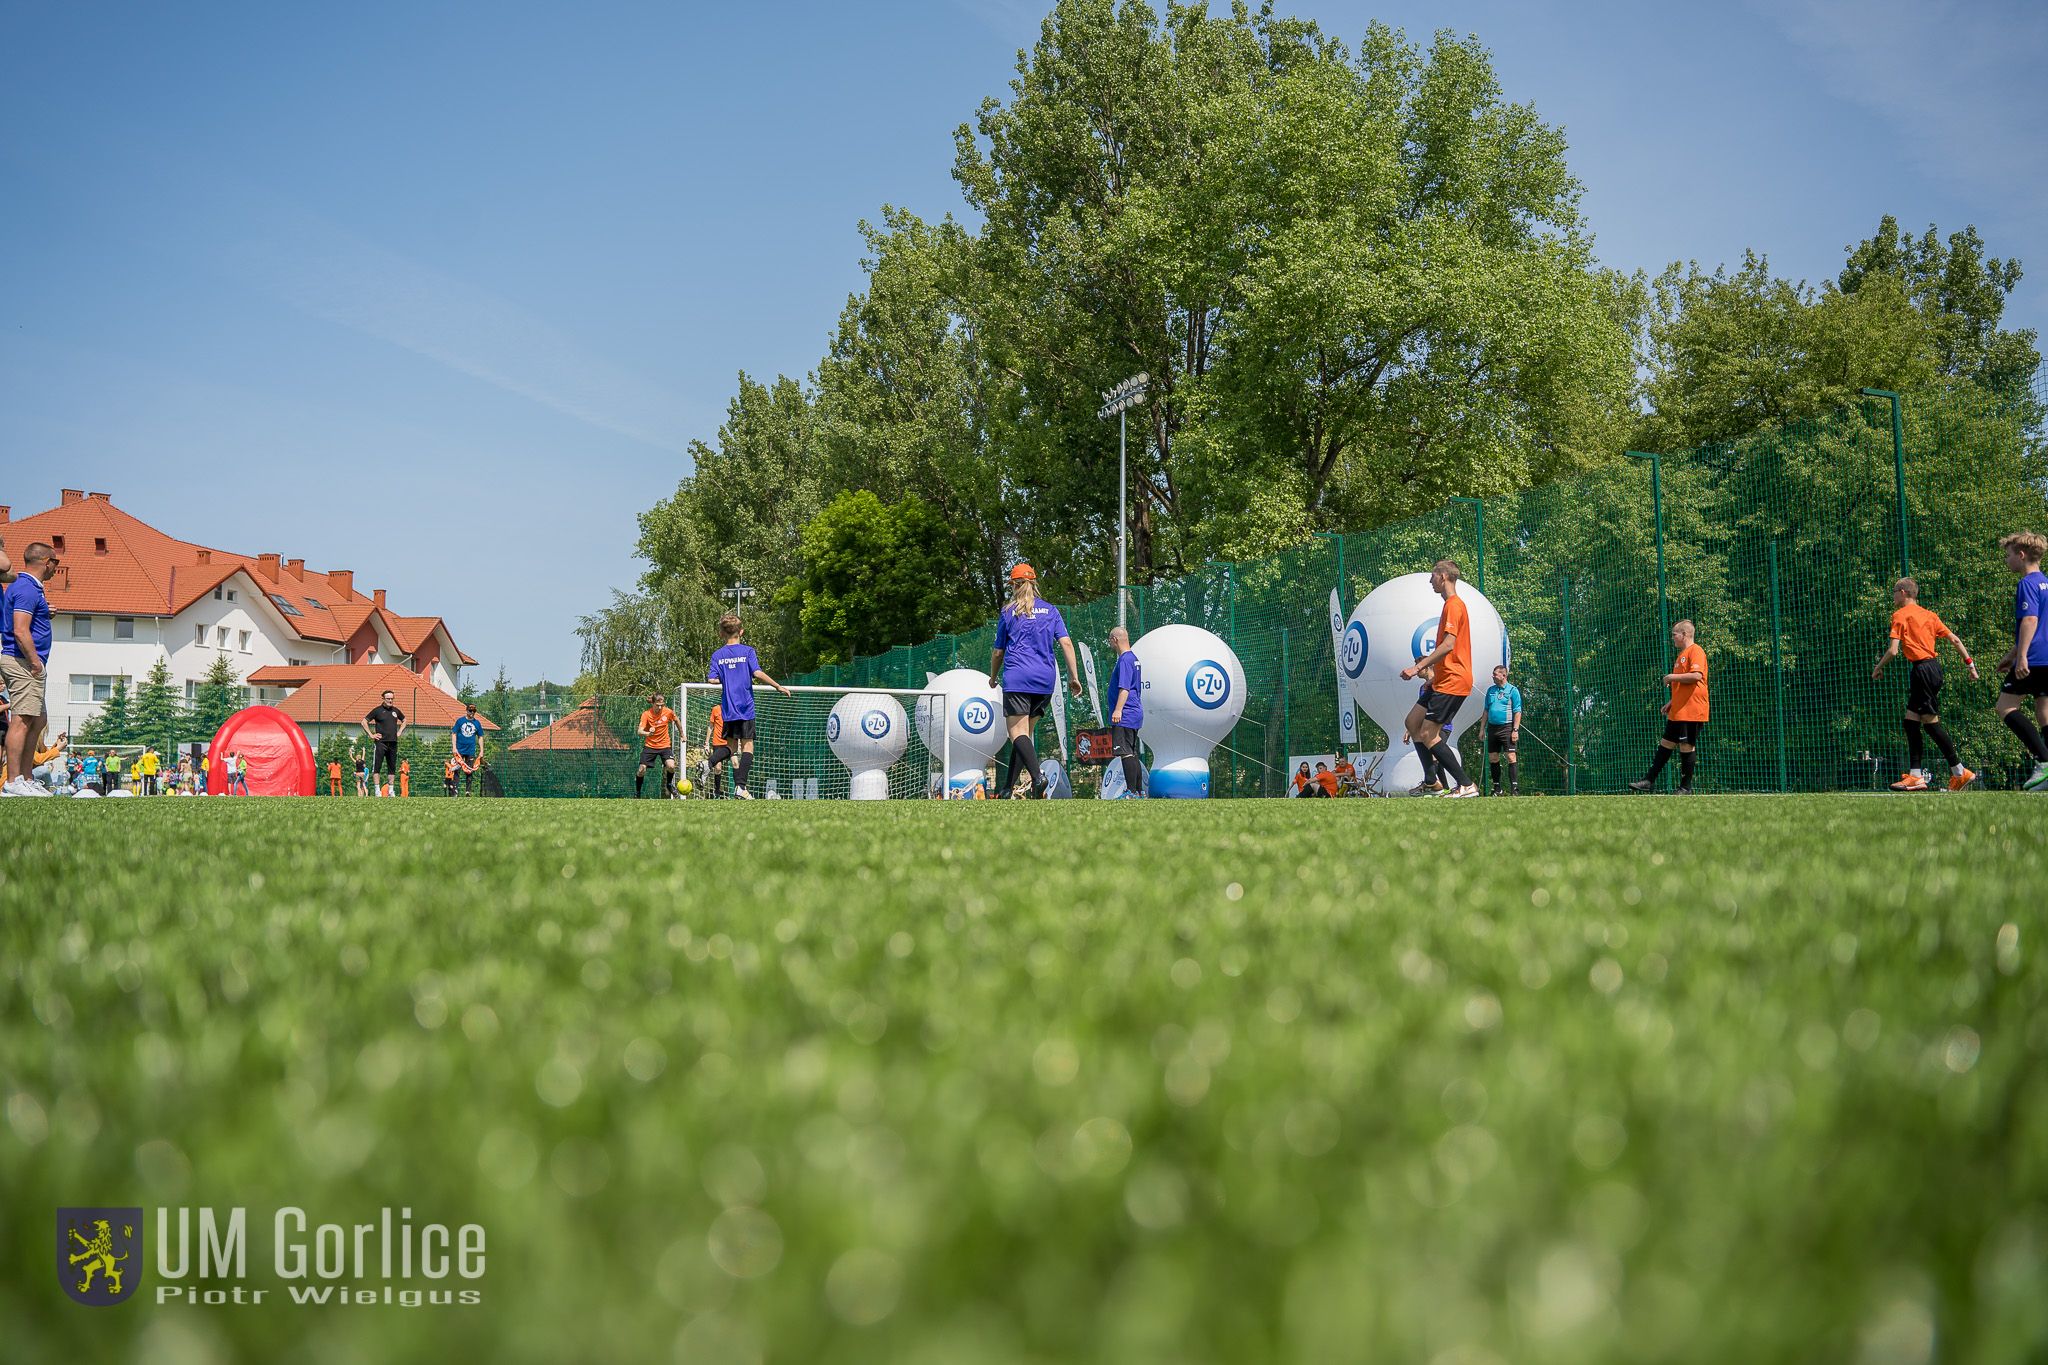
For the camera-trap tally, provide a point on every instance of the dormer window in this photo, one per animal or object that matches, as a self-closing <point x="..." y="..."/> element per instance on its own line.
<point x="99" y="545"/>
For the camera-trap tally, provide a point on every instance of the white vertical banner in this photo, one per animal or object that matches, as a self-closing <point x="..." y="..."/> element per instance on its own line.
<point x="1094" y="692"/>
<point x="1347" y="710"/>
<point x="1059" y="717"/>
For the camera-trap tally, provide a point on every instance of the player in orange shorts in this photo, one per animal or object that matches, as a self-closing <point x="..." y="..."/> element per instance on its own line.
<point x="1916" y="632"/>
<point x="1685" y="715"/>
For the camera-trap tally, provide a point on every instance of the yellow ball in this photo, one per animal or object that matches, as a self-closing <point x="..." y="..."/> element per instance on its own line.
<point x="683" y="786"/>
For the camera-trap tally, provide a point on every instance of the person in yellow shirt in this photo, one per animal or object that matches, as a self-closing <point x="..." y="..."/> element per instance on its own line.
<point x="1685" y="715"/>
<point x="146" y="770"/>
<point x="1916" y="632"/>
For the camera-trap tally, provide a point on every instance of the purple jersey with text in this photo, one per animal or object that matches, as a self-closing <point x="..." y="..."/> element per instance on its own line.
<point x="733" y="668"/>
<point x="1027" y="643"/>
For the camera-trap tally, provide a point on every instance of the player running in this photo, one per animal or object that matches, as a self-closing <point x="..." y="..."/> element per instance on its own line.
<point x="657" y="746"/>
<point x="469" y="736"/>
<point x="1685" y="715"/>
<point x="734" y="667"/>
<point x="1916" y="632"/>
<point x="1022" y="666"/>
<point x="1127" y="713"/>
<point x="1503" y="730"/>
<point x="2026" y="663"/>
<point x="1451" y="657"/>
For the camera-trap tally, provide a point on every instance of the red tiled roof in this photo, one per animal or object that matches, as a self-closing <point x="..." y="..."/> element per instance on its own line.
<point x="342" y="694"/>
<point x="582" y="728"/>
<point x="115" y="564"/>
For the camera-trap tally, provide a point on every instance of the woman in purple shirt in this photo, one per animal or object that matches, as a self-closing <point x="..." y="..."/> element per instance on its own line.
<point x="1024" y="668"/>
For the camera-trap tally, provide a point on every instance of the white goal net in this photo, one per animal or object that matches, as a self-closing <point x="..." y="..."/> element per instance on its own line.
<point x="817" y="744"/>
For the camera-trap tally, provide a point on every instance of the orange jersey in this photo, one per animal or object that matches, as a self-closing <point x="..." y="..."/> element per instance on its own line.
<point x="714" y="732"/>
<point x="1454" y="670"/>
<point x="654" y="724"/>
<point x="1917" y="630"/>
<point x="1689" y="700"/>
<point x="1327" y="780"/>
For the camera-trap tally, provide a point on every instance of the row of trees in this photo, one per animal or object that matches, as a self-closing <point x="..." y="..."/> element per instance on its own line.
<point x="157" y="715"/>
<point x="1359" y="280"/>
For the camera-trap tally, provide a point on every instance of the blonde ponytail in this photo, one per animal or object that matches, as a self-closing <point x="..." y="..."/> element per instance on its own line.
<point x="1023" y="599"/>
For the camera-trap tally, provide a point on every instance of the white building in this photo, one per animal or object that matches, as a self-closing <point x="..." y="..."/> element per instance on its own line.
<point x="126" y="595"/>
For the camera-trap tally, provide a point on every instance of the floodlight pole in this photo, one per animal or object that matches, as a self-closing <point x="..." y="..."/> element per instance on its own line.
<point x="738" y="592"/>
<point x="1120" y="400"/>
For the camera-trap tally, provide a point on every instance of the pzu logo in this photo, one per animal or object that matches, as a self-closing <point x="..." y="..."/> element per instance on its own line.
<point x="976" y="715"/>
<point x="1425" y="639"/>
<point x="1354" y="649"/>
<point x="874" y="725"/>
<point x="832" y="728"/>
<point x="1208" y="685"/>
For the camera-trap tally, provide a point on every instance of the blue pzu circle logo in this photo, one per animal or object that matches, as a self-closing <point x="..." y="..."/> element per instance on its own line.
<point x="1208" y="685"/>
<point x="832" y="728"/>
<point x="976" y="716"/>
<point x="1355" y="649"/>
<point x="1425" y="639"/>
<point x="874" y="724"/>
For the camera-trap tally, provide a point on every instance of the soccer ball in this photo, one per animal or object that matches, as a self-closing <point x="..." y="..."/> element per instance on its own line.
<point x="683" y="787"/>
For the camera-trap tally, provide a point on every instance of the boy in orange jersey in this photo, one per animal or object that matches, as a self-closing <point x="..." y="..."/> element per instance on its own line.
<point x="1685" y="715"/>
<point x="717" y="752"/>
<point x="1451" y="657"/>
<point x="1916" y="632"/>
<point x="657" y="746"/>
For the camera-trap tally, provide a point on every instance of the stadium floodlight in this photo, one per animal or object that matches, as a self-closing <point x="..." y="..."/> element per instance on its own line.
<point x="739" y="592"/>
<point x="824" y="743"/>
<point x="1115" y="403"/>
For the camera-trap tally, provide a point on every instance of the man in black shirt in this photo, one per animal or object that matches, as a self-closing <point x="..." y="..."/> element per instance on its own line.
<point x="384" y="725"/>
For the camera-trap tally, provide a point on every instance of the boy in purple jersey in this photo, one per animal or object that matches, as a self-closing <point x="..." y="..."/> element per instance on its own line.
<point x="1127" y="711"/>
<point x="1023" y="667"/>
<point x="2021" y="695"/>
<point x="734" y="667"/>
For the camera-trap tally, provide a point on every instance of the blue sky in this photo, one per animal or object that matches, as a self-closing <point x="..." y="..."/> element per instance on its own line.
<point x="456" y="284"/>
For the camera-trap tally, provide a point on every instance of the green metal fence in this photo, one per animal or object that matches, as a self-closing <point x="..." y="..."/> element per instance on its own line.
<point x="1781" y="547"/>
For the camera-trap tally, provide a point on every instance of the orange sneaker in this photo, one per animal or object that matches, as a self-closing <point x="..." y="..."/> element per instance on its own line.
<point x="1961" y="780"/>
<point x="1911" y="782"/>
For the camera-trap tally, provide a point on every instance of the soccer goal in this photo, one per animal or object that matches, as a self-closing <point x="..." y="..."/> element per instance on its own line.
<point x="822" y="744"/>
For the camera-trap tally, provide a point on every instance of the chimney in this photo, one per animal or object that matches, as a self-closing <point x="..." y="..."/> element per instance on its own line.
<point x="5" y="513"/>
<point x="344" y="581"/>
<point x="378" y="597"/>
<point x="206" y="556"/>
<point x="100" y="497"/>
<point x="267" y="566"/>
<point x="69" y="496"/>
<point x="295" y="567"/>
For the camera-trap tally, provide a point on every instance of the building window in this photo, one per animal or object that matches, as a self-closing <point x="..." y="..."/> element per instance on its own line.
<point x="199" y="632"/>
<point x="191" y="689"/>
<point x="245" y="642"/>
<point x="216" y="594"/>
<point x="124" y="627"/>
<point x="231" y="594"/>
<point x="284" y="604"/>
<point x="92" y="687"/>
<point x="315" y="603"/>
<point x="81" y="627"/>
<point x="220" y="637"/>
<point x="99" y="545"/>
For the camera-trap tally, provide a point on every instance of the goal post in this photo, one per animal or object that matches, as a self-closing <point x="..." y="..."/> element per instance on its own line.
<point x="823" y="743"/>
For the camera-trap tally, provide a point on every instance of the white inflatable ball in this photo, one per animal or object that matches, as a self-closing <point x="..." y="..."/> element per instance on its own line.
<point x="868" y="733"/>
<point x="964" y="724"/>
<point x="1193" y="696"/>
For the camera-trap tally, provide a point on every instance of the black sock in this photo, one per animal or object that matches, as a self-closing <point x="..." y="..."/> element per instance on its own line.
<point x="639" y="783"/>
<point x="746" y="767"/>
<point x="1447" y="759"/>
<point x="1429" y="773"/>
<point x="1514" y="776"/>
<point x="668" y="784"/>
<point x="1026" y="753"/>
<point x="1685" y="770"/>
<point x="1657" y="763"/>
<point x="2022" y="724"/>
<point x="1938" y="732"/>
<point x="1134" y="776"/>
<point x="1493" y="768"/>
<point x="1914" y="748"/>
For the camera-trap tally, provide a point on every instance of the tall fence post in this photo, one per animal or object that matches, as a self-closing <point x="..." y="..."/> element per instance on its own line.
<point x="1778" y="668"/>
<point x="1478" y="541"/>
<point x="1229" y="568"/>
<point x="1898" y="472"/>
<point x="1286" y="716"/>
<point x="1657" y="520"/>
<point x="1571" y="701"/>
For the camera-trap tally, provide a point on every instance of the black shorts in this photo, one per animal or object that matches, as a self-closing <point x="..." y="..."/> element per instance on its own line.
<point x="1030" y="704"/>
<point x="1923" y="687"/>
<point x="737" y="730"/>
<point x="2035" y="684"/>
<point x="1684" y="731"/>
<point x="1123" y="741"/>
<point x="1500" y="737"/>
<point x="1441" y="707"/>
<point x="654" y="758"/>
<point x="386" y="760"/>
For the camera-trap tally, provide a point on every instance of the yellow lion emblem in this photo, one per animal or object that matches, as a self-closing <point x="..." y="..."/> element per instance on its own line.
<point x="98" y="1256"/>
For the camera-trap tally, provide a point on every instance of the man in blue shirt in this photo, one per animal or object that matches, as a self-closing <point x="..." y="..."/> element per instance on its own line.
<point x="2025" y="688"/>
<point x="1503" y="729"/>
<point x="469" y="734"/>
<point x="24" y="655"/>
<point x="1127" y="712"/>
<point x="734" y="667"/>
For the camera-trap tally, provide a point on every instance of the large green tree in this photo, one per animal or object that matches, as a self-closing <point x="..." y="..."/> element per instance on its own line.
<point x="157" y="714"/>
<point x="877" y="574"/>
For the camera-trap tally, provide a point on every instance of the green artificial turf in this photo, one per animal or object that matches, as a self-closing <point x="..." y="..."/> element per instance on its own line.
<point x="1721" y="1079"/>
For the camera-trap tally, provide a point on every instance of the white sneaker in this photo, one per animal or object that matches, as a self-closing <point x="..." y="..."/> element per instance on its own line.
<point x="22" y="786"/>
<point x="742" y="793"/>
<point x="1469" y="789"/>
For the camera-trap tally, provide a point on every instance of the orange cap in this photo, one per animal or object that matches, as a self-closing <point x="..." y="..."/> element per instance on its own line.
<point x="1023" y="571"/>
